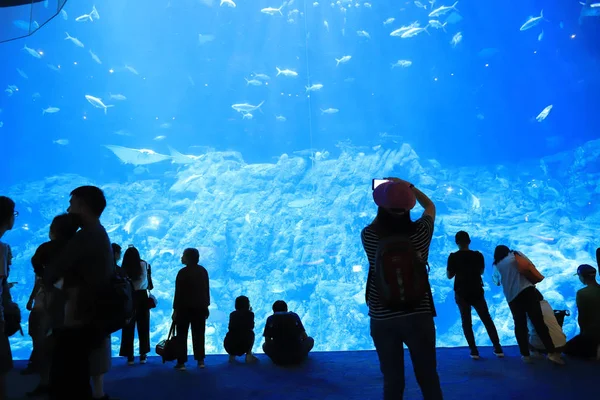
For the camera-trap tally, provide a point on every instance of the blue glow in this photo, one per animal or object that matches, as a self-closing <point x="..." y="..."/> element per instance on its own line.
<point x="275" y="196"/>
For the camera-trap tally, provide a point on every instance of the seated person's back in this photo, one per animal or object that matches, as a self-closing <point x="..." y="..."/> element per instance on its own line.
<point x="588" y="305"/>
<point x="284" y="328"/>
<point x="241" y="322"/>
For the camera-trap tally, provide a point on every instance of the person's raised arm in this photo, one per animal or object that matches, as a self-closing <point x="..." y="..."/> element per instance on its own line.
<point x="422" y="199"/>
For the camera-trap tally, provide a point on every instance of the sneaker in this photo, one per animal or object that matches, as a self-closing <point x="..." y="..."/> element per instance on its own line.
<point x="130" y="361"/>
<point x="475" y="354"/>
<point x="180" y="367"/>
<point x="556" y="358"/>
<point x="231" y="358"/>
<point x="498" y="352"/>
<point x="200" y="363"/>
<point x="526" y="359"/>
<point x="251" y="358"/>
<point x="143" y="359"/>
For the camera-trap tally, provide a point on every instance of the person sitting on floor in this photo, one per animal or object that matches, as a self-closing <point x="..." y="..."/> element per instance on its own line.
<point x="587" y="343"/>
<point x="559" y="339"/>
<point x="240" y="338"/>
<point x="286" y="341"/>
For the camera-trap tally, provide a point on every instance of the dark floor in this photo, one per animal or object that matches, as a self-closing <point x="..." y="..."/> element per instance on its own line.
<point x="343" y="375"/>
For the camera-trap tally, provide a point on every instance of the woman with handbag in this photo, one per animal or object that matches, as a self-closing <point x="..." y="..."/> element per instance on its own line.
<point x="517" y="276"/>
<point x="138" y="271"/>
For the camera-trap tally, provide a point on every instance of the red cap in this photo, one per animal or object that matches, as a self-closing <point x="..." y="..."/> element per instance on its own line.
<point x="398" y="195"/>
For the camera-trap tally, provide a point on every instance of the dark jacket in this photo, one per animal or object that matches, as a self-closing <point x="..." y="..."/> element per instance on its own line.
<point x="192" y="289"/>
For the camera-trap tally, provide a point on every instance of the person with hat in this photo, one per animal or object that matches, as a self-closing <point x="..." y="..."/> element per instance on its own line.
<point x="587" y="343"/>
<point x="466" y="267"/>
<point x="391" y="326"/>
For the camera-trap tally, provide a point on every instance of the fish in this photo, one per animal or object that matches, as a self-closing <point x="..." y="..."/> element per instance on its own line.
<point x="137" y="156"/>
<point x="398" y="32"/>
<point x="329" y="111"/>
<point x="246" y="108"/>
<point x="413" y="32"/>
<point x="161" y="137"/>
<point x="94" y="13"/>
<point x="119" y="97"/>
<point x="364" y="34"/>
<point x="326" y="25"/>
<point x="75" y="41"/>
<point x="532" y="21"/>
<point x="315" y="87"/>
<point x="84" y="18"/>
<point x="247" y="116"/>
<point x="54" y="67"/>
<point x="262" y="77"/>
<point x="96" y="102"/>
<point x="50" y="110"/>
<point x="228" y="3"/>
<point x="402" y="63"/>
<point x="64" y="14"/>
<point x="343" y="60"/>
<point x="389" y="21"/>
<point x="203" y="39"/>
<point x="541" y="36"/>
<point x="253" y="82"/>
<point x="95" y="57"/>
<point x="179" y="158"/>
<point x="542" y="116"/>
<point x="23" y="74"/>
<point x="131" y="69"/>
<point x="62" y="142"/>
<point x="420" y="5"/>
<point x="280" y="118"/>
<point x="437" y="24"/>
<point x="443" y="10"/>
<point x="32" y="52"/>
<point x="272" y="10"/>
<point x="165" y="125"/>
<point x="456" y="39"/>
<point x="286" y="72"/>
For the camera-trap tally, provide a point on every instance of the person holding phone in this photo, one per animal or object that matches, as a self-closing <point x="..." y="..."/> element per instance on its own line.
<point x="393" y="326"/>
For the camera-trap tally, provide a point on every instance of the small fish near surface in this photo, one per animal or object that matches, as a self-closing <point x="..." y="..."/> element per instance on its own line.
<point x="532" y="21"/>
<point x="246" y="108"/>
<point x="329" y="111"/>
<point x="253" y="82"/>
<point x="95" y="57"/>
<point x="73" y="40"/>
<point x="50" y="110"/>
<point x="364" y="34"/>
<point x="118" y="97"/>
<point x="286" y="72"/>
<point x="342" y="60"/>
<point x="402" y="63"/>
<point x="62" y="142"/>
<point x="314" y="88"/>
<point x="96" y="102"/>
<point x="272" y="10"/>
<point x="32" y="52"/>
<point x="443" y="10"/>
<point x="542" y="116"/>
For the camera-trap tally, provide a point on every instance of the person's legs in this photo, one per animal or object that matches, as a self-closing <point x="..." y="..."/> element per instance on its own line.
<point x="143" y="329"/>
<point x="70" y="368"/>
<point x="198" y="337"/>
<point x="98" y="386"/>
<point x="534" y="311"/>
<point x="307" y="346"/>
<point x="6" y="362"/>
<point x="183" y="326"/>
<point x="419" y="334"/>
<point x="389" y="345"/>
<point x="467" y="323"/>
<point x="127" y="336"/>
<point x="483" y="311"/>
<point x="581" y="347"/>
<point x="519" y="314"/>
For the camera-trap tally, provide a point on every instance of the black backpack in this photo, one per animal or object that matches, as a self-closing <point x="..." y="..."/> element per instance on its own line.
<point x="114" y="308"/>
<point x="401" y="275"/>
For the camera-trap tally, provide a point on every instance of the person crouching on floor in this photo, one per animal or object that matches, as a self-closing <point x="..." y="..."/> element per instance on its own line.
<point x="240" y="338"/>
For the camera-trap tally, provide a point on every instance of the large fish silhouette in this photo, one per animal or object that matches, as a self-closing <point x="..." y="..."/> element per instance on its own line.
<point x="137" y="156"/>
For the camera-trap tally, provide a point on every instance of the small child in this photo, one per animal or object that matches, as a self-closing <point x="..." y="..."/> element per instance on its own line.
<point x="240" y="338"/>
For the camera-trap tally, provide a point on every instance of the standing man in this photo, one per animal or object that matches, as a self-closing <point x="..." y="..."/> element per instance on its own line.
<point x="466" y="267"/>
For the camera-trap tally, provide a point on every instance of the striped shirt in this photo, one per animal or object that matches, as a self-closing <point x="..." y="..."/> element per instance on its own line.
<point x="421" y="239"/>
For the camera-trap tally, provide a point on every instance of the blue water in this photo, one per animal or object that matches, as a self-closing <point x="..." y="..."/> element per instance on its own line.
<point x="276" y="206"/>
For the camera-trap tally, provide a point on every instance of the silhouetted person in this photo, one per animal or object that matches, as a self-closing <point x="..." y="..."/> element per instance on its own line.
<point x="523" y="302"/>
<point x="466" y="267"/>
<point x="239" y="340"/>
<point x="7" y="221"/>
<point x="47" y="304"/>
<point x="82" y="270"/>
<point x="559" y="339"/>
<point x="587" y="343"/>
<point x="397" y="319"/>
<point x="137" y="270"/>
<point x="286" y="341"/>
<point x="190" y="307"/>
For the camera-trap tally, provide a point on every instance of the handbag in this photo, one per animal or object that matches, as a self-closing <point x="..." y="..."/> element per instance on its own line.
<point x="152" y="301"/>
<point x="527" y="268"/>
<point x="167" y="348"/>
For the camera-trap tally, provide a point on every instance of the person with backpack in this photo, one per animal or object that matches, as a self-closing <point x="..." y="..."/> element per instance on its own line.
<point x="286" y="340"/>
<point x="84" y="271"/>
<point x="138" y="271"/>
<point x="559" y="339"/>
<point x="7" y="221"/>
<point x="398" y="293"/>
<point x="239" y="340"/>
<point x="520" y="293"/>
<point x="190" y="307"/>
<point x="466" y="267"/>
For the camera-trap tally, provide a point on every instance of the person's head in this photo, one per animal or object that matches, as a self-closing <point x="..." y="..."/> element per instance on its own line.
<point x="190" y="256"/>
<point x="87" y="202"/>
<point x="462" y="239"/>
<point x="63" y="227"/>
<point x="7" y="214"/>
<point x="280" y="306"/>
<point x="587" y="274"/>
<point x="132" y="263"/>
<point x="394" y="201"/>
<point x="500" y="253"/>
<point x="242" y="303"/>
<point x="116" y="251"/>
